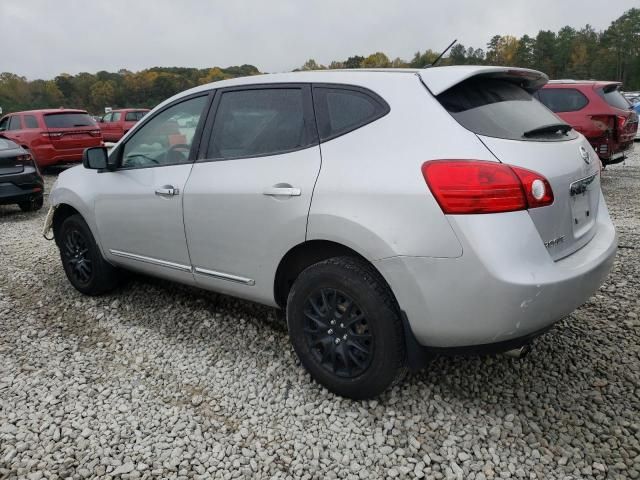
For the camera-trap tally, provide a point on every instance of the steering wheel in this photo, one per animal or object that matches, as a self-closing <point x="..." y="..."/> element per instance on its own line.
<point x="180" y="148"/>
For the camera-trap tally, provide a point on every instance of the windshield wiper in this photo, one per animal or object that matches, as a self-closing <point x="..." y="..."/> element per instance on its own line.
<point x="551" y="128"/>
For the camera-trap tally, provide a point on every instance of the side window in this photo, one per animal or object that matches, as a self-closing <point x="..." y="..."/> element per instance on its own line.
<point x="30" y="121"/>
<point x="163" y="140"/>
<point x="132" y="116"/>
<point x="4" y="123"/>
<point x="116" y="116"/>
<point x="259" y="122"/>
<point x="562" y="99"/>
<point x="14" y="123"/>
<point x="107" y="118"/>
<point x="340" y="110"/>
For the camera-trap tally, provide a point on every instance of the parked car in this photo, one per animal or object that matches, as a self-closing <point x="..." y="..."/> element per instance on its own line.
<point x="20" y="179"/>
<point x="598" y="111"/>
<point x="636" y="108"/>
<point x="389" y="214"/>
<point x="632" y="97"/>
<point x="52" y="136"/>
<point x="118" y="122"/>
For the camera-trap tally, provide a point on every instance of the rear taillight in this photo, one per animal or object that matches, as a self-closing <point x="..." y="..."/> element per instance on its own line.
<point x="52" y="134"/>
<point x="478" y="186"/>
<point x="95" y="133"/>
<point x="604" y="123"/>
<point x="621" y="122"/>
<point x="25" y="159"/>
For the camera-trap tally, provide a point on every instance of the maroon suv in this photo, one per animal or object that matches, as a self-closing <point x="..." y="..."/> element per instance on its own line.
<point x="118" y="122"/>
<point x="598" y="111"/>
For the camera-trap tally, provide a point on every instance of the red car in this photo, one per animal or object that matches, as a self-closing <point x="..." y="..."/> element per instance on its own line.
<point x="118" y="122"/>
<point x="52" y="136"/>
<point x="598" y="111"/>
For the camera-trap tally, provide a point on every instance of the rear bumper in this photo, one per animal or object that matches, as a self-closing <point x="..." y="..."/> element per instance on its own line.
<point x="48" y="155"/>
<point x="20" y="187"/>
<point x="503" y="288"/>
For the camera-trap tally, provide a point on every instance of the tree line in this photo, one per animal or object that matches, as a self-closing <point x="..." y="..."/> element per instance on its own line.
<point x="612" y="54"/>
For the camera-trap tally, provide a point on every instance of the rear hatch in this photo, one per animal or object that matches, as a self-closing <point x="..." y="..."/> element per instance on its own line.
<point x="9" y="161"/>
<point x="496" y="104"/>
<point x="626" y="124"/>
<point x="70" y="130"/>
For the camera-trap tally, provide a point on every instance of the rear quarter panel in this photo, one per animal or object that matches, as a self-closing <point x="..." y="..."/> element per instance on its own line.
<point x="371" y="195"/>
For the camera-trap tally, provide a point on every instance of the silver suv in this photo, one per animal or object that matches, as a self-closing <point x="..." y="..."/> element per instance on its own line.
<point x="390" y="213"/>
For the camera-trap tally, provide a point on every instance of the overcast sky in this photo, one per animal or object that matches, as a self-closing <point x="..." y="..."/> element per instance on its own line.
<point x="43" y="38"/>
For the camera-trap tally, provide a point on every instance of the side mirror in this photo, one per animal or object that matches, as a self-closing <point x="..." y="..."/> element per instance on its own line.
<point x="97" y="158"/>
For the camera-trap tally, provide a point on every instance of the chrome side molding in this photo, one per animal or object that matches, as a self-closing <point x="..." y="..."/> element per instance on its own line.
<point x="224" y="276"/>
<point x="152" y="261"/>
<point x="184" y="268"/>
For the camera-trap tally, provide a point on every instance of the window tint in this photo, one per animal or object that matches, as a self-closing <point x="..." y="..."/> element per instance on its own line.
<point x="4" y="123"/>
<point x="499" y="108"/>
<point x="250" y="123"/>
<point x="340" y="110"/>
<point x="613" y="97"/>
<point x="164" y="140"/>
<point x="134" y="116"/>
<point x="30" y="121"/>
<point x="14" y="123"/>
<point x="562" y="99"/>
<point x="107" y="118"/>
<point x="68" y="120"/>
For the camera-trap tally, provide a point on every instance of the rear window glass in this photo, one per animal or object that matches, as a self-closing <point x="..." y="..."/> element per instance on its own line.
<point x="614" y="98"/>
<point x="340" y="110"/>
<point x="68" y="120"/>
<point x="501" y="109"/>
<point x="134" y="116"/>
<point x="562" y="99"/>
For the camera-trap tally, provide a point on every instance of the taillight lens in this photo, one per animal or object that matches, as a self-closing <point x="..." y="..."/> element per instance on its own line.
<point x="621" y="122"/>
<point x="24" y="159"/>
<point x="52" y="134"/>
<point x="603" y="122"/>
<point x="478" y="186"/>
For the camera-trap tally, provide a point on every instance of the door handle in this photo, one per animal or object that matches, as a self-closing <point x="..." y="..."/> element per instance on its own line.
<point x="167" y="191"/>
<point x="282" y="191"/>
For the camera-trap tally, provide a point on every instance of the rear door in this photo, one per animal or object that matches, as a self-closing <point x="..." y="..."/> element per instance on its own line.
<point x="519" y="131"/>
<point x="71" y="130"/>
<point x="248" y="196"/>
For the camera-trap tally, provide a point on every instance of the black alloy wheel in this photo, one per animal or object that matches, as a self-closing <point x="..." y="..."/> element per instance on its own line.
<point x="337" y="333"/>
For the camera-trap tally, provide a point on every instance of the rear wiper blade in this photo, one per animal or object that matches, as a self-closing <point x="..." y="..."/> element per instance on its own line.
<point x="552" y="128"/>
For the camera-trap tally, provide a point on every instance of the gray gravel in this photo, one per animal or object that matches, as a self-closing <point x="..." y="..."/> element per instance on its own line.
<point x="161" y="381"/>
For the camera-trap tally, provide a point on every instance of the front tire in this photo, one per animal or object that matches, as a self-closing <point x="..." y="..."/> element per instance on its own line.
<point x="82" y="260"/>
<point x="345" y="327"/>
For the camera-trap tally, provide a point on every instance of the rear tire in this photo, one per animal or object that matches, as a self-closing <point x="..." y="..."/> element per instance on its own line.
<point x="82" y="260"/>
<point x="32" y="205"/>
<point x="346" y="329"/>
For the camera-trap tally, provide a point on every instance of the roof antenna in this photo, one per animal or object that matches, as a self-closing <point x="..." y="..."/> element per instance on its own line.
<point x="442" y="54"/>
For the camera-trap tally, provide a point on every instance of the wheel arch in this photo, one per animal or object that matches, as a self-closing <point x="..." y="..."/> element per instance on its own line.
<point x="306" y="254"/>
<point x="63" y="211"/>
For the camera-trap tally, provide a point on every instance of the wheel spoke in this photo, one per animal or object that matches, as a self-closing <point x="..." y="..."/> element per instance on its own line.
<point x="357" y="346"/>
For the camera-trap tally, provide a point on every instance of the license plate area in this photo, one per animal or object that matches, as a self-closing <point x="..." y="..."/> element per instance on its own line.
<point x="584" y="196"/>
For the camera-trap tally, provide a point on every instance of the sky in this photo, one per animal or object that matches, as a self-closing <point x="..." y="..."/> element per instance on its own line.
<point x="43" y="38"/>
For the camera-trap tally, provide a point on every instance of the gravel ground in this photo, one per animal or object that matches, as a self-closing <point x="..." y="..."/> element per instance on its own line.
<point x="161" y="381"/>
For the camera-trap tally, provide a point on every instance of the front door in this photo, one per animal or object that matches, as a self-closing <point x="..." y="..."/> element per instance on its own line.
<point x="139" y="205"/>
<point x="248" y="196"/>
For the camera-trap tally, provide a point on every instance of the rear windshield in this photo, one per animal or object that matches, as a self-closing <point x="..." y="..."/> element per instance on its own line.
<point x="68" y="120"/>
<point x="613" y="97"/>
<point x="501" y="109"/>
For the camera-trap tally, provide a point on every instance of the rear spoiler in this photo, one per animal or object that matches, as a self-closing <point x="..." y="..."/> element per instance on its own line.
<point x="440" y="79"/>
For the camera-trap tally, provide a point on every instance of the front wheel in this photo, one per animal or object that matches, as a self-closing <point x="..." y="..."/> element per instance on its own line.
<point x="82" y="260"/>
<point x="346" y="328"/>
